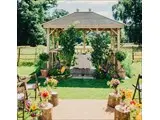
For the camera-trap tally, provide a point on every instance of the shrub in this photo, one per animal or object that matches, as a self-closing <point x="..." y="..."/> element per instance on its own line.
<point x="44" y="56"/>
<point x="99" y="43"/>
<point x="68" y="41"/>
<point x="120" y="55"/>
<point x="126" y="64"/>
<point x="26" y="64"/>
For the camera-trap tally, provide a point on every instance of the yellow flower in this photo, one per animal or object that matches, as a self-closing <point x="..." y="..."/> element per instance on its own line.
<point x="138" y="105"/>
<point x="128" y="94"/>
<point x="139" y="116"/>
<point x="33" y="107"/>
<point x="63" y="69"/>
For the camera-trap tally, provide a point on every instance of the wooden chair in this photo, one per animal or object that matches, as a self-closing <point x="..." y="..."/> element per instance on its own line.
<point x="33" y="86"/>
<point x="138" y="87"/>
<point x="21" y="97"/>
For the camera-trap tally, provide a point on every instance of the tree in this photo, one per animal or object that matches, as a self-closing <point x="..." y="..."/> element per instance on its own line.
<point x="68" y="40"/>
<point x="130" y="12"/>
<point x="99" y="43"/>
<point x="57" y="13"/>
<point x="30" y="16"/>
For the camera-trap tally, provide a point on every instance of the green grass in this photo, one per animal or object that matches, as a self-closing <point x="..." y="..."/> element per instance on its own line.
<point x="25" y="70"/>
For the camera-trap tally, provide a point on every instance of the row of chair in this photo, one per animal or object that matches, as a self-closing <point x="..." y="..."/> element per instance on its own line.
<point x="23" y="88"/>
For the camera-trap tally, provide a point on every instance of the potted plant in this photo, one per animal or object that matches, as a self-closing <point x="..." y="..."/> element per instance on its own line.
<point x="43" y="58"/>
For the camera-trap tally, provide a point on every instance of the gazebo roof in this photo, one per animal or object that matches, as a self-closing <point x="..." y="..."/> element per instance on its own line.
<point x="83" y="20"/>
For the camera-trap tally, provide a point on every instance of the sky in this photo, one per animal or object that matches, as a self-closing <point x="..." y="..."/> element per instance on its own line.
<point x="101" y="7"/>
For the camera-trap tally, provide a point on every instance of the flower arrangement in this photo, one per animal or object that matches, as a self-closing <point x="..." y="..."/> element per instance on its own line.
<point x="126" y="94"/>
<point x="32" y="108"/>
<point x="114" y="84"/>
<point x="45" y="95"/>
<point x="51" y="82"/>
<point x="136" y="110"/>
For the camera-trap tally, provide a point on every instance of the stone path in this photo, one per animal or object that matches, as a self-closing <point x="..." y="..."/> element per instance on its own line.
<point x="83" y="110"/>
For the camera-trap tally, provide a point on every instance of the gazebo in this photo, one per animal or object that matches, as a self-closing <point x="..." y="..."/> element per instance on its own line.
<point x="86" y="21"/>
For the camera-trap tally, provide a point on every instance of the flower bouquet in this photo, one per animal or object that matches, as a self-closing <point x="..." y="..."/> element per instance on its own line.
<point x="114" y="84"/>
<point x="45" y="96"/>
<point x="126" y="96"/>
<point x="32" y="108"/>
<point x="114" y="98"/>
<point x="136" y="110"/>
<point x="51" y="82"/>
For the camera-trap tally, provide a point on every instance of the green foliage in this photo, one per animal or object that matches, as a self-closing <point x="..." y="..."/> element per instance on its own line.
<point x="30" y="16"/>
<point x="98" y="74"/>
<point x="54" y="72"/>
<point x="120" y="55"/>
<point x="57" y="13"/>
<point x="26" y="64"/>
<point x="130" y="12"/>
<point x="127" y="65"/>
<point x="42" y="62"/>
<point x="44" y="56"/>
<point x="68" y="41"/>
<point x="99" y="43"/>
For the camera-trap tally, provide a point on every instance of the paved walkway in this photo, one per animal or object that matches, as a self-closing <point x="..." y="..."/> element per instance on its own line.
<point x="83" y="110"/>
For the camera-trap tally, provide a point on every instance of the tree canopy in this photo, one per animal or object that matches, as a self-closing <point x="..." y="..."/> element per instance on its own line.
<point x="57" y="13"/>
<point x="130" y="12"/>
<point x="30" y="16"/>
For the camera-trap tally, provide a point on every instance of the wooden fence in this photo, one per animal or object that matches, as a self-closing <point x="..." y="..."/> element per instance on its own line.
<point x="136" y="56"/>
<point x="28" y="54"/>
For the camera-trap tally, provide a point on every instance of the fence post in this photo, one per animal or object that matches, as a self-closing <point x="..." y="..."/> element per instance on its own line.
<point x="19" y="53"/>
<point x="132" y="54"/>
<point x="35" y="55"/>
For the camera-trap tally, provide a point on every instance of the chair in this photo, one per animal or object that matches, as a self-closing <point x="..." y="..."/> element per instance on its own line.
<point x="33" y="86"/>
<point x="138" y="87"/>
<point x="21" y="90"/>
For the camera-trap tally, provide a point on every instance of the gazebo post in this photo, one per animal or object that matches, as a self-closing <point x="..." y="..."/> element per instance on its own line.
<point x="112" y="40"/>
<point x="53" y="40"/>
<point x="57" y="42"/>
<point x="48" y="44"/>
<point x="48" y="41"/>
<point x="118" y="39"/>
<point x="84" y="41"/>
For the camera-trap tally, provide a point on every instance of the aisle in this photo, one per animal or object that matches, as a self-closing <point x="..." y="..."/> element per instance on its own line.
<point x="83" y="110"/>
